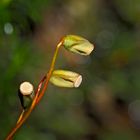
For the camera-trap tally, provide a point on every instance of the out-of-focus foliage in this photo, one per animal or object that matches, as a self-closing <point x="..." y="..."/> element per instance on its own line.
<point x="107" y="104"/>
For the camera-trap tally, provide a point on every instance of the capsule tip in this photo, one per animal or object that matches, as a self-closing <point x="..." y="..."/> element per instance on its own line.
<point x="26" y="88"/>
<point x="78" y="81"/>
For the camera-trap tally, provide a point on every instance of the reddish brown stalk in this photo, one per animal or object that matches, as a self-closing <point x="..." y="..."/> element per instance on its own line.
<point x="38" y="96"/>
<point x="51" y="69"/>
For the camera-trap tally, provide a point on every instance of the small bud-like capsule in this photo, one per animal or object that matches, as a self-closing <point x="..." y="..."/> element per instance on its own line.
<point x="77" y="44"/>
<point x="26" y="94"/>
<point x="64" y="78"/>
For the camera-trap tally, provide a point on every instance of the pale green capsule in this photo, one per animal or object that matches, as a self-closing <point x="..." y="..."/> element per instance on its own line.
<point x="64" y="78"/>
<point x="77" y="44"/>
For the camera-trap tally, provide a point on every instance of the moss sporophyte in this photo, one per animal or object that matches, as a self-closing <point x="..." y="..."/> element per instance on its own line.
<point x="61" y="78"/>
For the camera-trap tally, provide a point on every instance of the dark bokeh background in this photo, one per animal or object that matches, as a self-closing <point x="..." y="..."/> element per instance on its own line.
<point x="107" y="104"/>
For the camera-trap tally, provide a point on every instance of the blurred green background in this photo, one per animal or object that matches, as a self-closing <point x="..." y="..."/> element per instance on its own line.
<point x="107" y="104"/>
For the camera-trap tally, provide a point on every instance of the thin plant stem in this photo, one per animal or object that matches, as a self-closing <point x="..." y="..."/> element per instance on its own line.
<point x="21" y="116"/>
<point x="50" y="71"/>
<point x="37" y="97"/>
